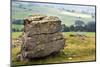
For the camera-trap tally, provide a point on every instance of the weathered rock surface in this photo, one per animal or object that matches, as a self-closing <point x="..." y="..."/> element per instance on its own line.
<point x="41" y="37"/>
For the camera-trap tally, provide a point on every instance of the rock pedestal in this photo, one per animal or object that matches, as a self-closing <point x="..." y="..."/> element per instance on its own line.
<point x="41" y="37"/>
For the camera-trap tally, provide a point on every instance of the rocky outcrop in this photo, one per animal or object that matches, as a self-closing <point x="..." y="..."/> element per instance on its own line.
<point x="41" y="37"/>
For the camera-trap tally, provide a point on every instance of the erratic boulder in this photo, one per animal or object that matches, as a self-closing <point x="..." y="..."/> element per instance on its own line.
<point x="41" y="37"/>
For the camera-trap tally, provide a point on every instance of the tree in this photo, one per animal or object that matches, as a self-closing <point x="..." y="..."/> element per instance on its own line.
<point x="72" y="28"/>
<point x="19" y="21"/>
<point x="65" y="28"/>
<point x="79" y="25"/>
<point x="91" y="26"/>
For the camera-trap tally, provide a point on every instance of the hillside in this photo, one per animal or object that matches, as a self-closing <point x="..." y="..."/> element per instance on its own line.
<point x="20" y="10"/>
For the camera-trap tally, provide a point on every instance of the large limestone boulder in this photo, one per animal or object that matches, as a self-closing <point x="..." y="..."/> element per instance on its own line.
<point x="41" y="37"/>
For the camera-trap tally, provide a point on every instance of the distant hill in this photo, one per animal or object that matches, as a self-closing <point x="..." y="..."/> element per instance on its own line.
<point x="20" y="10"/>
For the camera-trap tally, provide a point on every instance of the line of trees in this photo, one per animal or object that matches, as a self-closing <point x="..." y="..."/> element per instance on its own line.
<point x="17" y="21"/>
<point x="17" y="30"/>
<point x="80" y="26"/>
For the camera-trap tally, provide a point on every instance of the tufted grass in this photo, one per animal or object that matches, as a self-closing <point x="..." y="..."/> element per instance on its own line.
<point x="76" y="49"/>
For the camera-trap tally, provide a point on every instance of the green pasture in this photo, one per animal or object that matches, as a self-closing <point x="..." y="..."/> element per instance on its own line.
<point x="16" y="26"/>
<point x="16" y="34"/>
<point x="76" y="49"/>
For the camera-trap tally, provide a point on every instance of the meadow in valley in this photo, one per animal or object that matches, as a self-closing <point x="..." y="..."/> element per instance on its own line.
<point x="78" y="29"/>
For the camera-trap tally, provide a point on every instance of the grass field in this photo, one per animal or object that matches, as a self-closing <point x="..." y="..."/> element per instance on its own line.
<point x="16" y="34"/>
<point x="76" y="49"/>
